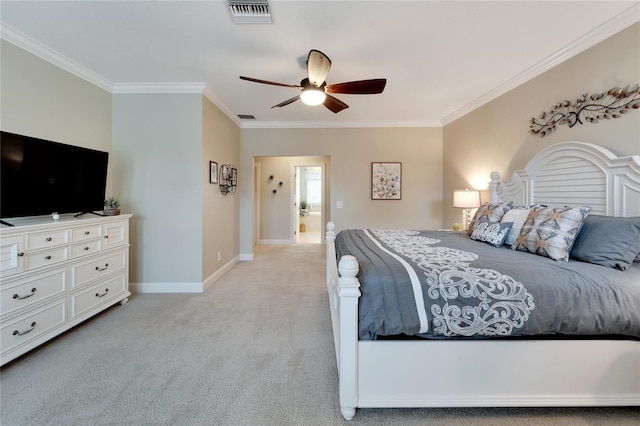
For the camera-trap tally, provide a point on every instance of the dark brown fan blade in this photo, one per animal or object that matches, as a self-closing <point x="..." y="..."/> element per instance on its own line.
<point x="361" y="87"/>
<point x="287" y="102"/>
<point x="273" y="83"/>
<point x="334" y="104"/>
<point x="318" y="65"/>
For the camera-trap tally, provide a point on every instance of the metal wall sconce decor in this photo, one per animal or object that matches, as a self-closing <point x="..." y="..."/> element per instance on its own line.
<point x="598" y="106"/>
<point x="228" y="179"/>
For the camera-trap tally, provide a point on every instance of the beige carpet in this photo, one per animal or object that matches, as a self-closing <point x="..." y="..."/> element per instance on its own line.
<point x="255" y="349"/>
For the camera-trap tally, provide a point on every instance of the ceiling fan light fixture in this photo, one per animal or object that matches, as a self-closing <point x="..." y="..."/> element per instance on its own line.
<point x="313" y="96"/>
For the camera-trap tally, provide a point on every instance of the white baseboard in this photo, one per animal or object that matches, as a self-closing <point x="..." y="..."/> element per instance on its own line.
<point x="183" y="287"/>
<point x="219" y="273"/>
<point x="246" y="257"/>
<point x="274" y="242"/>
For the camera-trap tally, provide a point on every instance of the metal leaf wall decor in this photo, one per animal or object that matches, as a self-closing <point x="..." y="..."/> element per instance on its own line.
<point x="598" y="106"/>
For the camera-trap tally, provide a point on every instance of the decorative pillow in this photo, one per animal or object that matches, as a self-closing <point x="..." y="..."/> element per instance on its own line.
<point x="493" y="233"/>
<point x="551" y="232"/>
<point x="609" y="241"/>
<point x="490" y="212"/>
<point x="517" y="216"/>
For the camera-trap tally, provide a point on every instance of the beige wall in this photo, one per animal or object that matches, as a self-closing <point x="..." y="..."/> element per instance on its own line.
<point x="275" y="209"/>
<point x="41" y="100"/>
<point x="351" y="152"/>
<point x="220" y="143"/>
<point x="495" y="136"/>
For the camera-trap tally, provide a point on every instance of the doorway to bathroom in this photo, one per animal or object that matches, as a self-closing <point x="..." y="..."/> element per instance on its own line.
<point x="308" y="203"/>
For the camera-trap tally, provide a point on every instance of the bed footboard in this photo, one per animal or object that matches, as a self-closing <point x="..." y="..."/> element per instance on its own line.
<point x="344" y="291"/>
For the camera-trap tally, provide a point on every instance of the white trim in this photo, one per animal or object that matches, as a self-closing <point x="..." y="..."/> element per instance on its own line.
<point x="246" y="257"/>
<point x="185" y="287"/>
<point x="256" y="124"/>
<point x="46" y="53"/>
<point x="605" y="30"/>
<point x="602" y="32"/>
<point x="219" y="273"/>
<point x="210" y="94"/>
<point x="159" y="87"/>
<point x="274" y="242"/>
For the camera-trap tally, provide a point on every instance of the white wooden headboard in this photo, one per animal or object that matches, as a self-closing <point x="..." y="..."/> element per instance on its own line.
<point x="575" y="174"/>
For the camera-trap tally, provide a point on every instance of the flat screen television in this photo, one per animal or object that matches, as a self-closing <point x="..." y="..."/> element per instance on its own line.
<point x="41" y="177"/>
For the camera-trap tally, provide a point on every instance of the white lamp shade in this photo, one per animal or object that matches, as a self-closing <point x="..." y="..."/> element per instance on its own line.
<point x="312" y="97"/>
<point x="463" y="198"/>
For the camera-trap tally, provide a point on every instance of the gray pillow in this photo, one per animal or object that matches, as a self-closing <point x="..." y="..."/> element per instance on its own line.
<point x="609" y="241"/>
<point x="493" y="233"/>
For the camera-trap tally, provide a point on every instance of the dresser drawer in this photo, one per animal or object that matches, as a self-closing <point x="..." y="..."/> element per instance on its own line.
<point x="116" y="234"/>
<point x="96" y="268"/>
<point x="32" y="325"/>
<point x="27" y="292"/>
<point x="86" y="233"/>
<point x="85" y="248"/>
<point x="11" y="256"/>
<point x="97" y="295"/>
<point x="42" y="258"/>
<point x="46" y="239"/>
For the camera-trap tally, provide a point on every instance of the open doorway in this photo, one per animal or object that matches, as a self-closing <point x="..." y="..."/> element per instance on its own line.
<point x="308" y="203"/>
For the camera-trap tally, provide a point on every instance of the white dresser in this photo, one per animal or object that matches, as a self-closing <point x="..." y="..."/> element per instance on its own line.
<point x="56" y="274"/>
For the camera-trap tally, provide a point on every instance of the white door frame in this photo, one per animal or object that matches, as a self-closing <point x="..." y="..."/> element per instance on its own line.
<point x="294" y="209"/>
<point x="256" y="202"/>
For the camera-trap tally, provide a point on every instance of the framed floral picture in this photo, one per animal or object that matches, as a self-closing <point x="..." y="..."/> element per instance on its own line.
<point x="213" y="172"/>
<point x="386" y="181"/>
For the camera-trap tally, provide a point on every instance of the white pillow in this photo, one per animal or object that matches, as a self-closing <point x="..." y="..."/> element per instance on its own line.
<point x="517" y="215"/>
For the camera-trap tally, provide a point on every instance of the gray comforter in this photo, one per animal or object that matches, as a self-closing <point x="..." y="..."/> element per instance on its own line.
<point x="441" y="284"/>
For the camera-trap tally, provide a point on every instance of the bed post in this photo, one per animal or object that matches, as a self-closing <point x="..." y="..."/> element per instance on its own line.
<point x="348" y="292"/>
<point x="495" y="184"/>
<point x="344" y="291"/>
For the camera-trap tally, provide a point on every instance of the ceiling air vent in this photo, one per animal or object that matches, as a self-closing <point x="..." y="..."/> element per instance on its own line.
<point x="246" y="117"/>
<point x="250" y="11"/>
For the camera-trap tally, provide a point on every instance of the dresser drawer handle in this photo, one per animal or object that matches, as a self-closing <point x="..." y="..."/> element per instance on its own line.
<point x="103" y="294"/>
<point x="18" y="333"/>
<point x="106" y="265"/>
<point x="21" y="254"/>
<point x="48" y="257"/>
<point x="17" y="296"/>
<point x="49" y="239"/>
<point x="86" y="232"/>
<point x="86" y="249"/>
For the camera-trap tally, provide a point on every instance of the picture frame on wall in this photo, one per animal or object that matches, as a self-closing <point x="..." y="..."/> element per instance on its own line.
<point x="213" y="172"/>
<point x="386" y="181"/>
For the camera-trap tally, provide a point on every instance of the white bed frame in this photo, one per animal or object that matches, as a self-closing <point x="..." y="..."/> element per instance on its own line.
<point x="417" y="373"/>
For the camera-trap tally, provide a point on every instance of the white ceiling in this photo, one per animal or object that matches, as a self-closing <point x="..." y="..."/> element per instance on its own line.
<point x="441" y="58"/>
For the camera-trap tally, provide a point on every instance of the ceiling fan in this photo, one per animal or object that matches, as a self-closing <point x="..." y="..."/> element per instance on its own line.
<point x="314" y="90"/>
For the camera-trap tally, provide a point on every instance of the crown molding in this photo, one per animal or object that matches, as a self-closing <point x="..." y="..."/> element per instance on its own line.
<point x="254" y="124"/>
<point x="616" y="24"/>
<point x="158" y="88"/>
<point x="210" y="94"/>
<point x="613" y="26"/>
<point x="46" y="53"/>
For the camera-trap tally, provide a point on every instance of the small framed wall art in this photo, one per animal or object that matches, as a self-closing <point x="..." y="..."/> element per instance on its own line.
<point x="213" y="172"/>
<point x="386" y="181"/>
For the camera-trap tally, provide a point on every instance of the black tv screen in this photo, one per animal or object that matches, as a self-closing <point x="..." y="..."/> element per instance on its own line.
<point x="40" y="177"/>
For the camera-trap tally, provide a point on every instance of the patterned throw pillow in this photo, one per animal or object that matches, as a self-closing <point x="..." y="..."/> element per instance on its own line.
<point x="517" y="216"/>
<point x="493" y="233"/>
<point x="491" y="212"/>
<point x="551" y="232"/>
